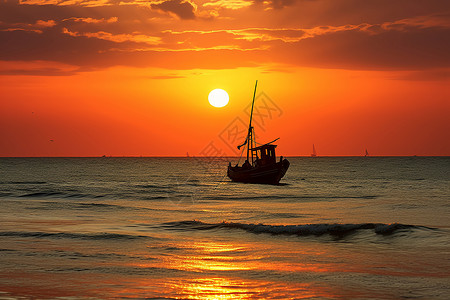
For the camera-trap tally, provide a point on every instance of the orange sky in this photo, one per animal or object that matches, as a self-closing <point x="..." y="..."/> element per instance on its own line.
<point x="132" y="77"/>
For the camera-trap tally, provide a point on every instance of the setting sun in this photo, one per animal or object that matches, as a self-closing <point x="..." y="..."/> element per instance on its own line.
<point x="218" y="98"/>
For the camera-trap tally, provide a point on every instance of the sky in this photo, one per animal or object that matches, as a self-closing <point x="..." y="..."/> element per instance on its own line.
<point x="132" y="77"/>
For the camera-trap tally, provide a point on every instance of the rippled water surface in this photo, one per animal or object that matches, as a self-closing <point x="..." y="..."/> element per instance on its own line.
<point x="177" y="228"/>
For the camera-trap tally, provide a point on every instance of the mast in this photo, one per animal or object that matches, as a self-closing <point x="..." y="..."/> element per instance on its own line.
<point x="250" y="129"/>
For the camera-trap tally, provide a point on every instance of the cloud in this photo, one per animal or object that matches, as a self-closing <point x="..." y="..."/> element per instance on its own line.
<point x="36" y="27"/>
<point x="344" y="34"/>
<point x="274" y="4"/>
<point x="118" y="38"/>
<point x="228" y="4"/>
<point x="423" y="75"/>
<point x="48" y="23"/>
<point x="93" y="20"/>
<point x="229" y="36"/>
<point x="347" y="46"/>
<point x="37" y="72"/>
<point x="52" y="45"/>
<point x="184" y="9"/>
<point x="356" y="49"/>
<point x="86" y="3"/>
<point x="37" y="68"/>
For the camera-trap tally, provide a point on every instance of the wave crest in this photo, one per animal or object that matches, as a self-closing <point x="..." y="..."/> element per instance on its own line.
<point x="71" y="235"/>
<point x="300" y="230"/>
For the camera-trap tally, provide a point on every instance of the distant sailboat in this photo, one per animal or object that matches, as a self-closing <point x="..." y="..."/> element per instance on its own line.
<point x="314" y="153"/>
<point x="366" y="154"/>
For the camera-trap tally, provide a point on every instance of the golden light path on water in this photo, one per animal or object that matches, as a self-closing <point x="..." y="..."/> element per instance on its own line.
<point x="205" y="260"/>
<point x="231" y="269"/>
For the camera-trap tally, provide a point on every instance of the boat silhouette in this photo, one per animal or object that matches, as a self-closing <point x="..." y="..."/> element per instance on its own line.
<point x="261" y="165"/>
<point x="314" y="153"/>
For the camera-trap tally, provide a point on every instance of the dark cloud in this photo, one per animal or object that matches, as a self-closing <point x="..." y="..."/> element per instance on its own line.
<point x="277" y="4"/>
<point x="38" y="72"/>
<point x="11" y="12"/>
<point x="312" y="13"/>
<point x="412" y="49"/>
<point x="98" y="37"/>
<point x="428" y="75"/>
<point x="182" y="8"/>
<point x="129" y="17"/>
<point x="420" y="48"/>
<point x="51" y="45"/>
<point x="93" y="53"/>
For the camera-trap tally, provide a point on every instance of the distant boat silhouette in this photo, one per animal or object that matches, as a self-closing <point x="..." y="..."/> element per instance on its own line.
<point x="314" y="153"/>
<point x="366" y="154"/>
<point x="261" y="165"/>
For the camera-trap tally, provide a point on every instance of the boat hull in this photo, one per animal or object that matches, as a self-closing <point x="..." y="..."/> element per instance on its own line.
<point x="269" y="174"/>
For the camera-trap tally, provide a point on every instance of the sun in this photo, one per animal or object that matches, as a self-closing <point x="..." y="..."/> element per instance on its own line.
<point x="218" y="98"/>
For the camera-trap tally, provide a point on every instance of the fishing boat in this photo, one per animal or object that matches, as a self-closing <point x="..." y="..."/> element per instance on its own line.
<point x="261" y="165"/>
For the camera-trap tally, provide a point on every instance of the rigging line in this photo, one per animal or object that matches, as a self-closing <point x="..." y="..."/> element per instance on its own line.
<point x="242" y="152"/>
<point x="268" y="142"/>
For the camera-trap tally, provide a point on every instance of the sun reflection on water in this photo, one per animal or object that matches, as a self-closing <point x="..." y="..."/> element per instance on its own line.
<point x="214" y="288"/>
<point x="212" y="256"/>
<point x="222" y="270"/>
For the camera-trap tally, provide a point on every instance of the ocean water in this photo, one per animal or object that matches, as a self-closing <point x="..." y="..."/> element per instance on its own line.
<point x="178" y="228"/>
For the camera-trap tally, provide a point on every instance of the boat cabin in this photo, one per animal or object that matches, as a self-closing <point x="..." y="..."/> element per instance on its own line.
<point x="264" y="155"/>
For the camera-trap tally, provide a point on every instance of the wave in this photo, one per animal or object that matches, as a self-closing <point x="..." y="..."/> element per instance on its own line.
<point x="23" y="182"/>
<point x="71" y="235"/>
<point x="153" y="197"/>
<point x="41" y="194"/>
<point x="300" y="230"/>
<point x="284" y="197"/>
<point x="99" y="206"/>
<point x="75" y="194"/>
<point x="148" y="186"/>
<point x="54" y="194"/>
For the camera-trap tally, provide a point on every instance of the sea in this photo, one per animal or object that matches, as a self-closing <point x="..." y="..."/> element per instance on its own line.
<point x="178" y="228"/>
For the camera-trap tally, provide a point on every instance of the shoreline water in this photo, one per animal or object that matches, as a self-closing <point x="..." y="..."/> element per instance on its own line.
<point x="338" y="228"/>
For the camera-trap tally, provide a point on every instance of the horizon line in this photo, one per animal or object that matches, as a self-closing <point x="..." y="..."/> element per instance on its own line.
<point x="181" y="156"/>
